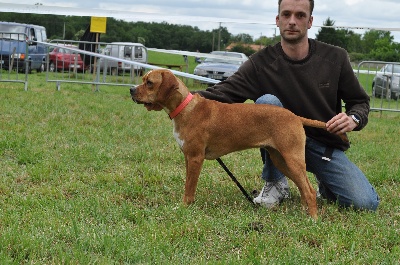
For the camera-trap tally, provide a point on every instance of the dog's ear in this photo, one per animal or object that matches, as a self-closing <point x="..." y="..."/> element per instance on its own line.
<point x="169" y="83"/>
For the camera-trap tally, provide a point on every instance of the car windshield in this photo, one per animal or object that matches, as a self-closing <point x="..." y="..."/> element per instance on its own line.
<point x="391" y="68"/>
<point x="222" y="60"/>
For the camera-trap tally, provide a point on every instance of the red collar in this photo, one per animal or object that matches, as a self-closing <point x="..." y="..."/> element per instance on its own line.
<point x="181" y="106"/>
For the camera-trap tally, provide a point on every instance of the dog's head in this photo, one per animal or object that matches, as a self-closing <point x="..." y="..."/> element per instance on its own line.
<point x="156" y="88"/>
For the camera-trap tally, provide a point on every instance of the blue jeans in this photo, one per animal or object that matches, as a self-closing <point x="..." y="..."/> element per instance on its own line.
<point x="339" y="179"/>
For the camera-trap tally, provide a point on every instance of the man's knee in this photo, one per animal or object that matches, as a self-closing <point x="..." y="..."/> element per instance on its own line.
<point x="269" y="99"/>
<point x="369" y="203"/>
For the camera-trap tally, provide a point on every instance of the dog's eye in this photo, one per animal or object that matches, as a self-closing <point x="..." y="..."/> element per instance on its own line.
<point x="149" y="83"/>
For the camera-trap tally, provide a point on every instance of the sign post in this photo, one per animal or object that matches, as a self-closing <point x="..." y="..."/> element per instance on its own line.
<point x="97" y="25"/>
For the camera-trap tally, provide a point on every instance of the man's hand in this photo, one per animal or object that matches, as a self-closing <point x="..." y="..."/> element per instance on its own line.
<point x="341" y="123"/>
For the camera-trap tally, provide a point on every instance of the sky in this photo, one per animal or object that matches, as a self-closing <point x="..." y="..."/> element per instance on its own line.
<point x="256" y="18"/>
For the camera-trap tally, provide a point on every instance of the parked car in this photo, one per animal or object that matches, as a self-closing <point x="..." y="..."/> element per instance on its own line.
<point x="65" y="57"/>
<point x="388" y="77"/>
<point x="221" y="67"/>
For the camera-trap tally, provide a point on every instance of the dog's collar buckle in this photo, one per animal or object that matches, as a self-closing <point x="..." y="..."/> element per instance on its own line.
<point x="181" y="106"/>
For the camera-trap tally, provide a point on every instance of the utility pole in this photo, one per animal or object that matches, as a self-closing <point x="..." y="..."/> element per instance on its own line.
<point x="213" y="40"/>
<point x="219" y="37"/>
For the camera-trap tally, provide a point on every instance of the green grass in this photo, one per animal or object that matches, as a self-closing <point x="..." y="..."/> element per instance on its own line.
<point x="92" y="178"/>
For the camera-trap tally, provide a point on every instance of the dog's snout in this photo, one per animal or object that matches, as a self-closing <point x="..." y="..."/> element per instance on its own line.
<point x="133" y="90"/>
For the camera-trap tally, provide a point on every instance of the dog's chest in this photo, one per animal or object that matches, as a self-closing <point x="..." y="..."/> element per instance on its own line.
<point x="178" y="137"/>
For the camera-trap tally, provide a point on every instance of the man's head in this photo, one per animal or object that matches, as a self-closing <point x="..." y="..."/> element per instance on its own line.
<point x="294" y="19"/>
<point x="311" y="6"/>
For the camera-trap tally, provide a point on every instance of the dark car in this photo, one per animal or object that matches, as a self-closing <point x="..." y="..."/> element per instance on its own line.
<point x="65" y="57"/>
<point x="387" y="78"/>
<point x="221" y="65"/>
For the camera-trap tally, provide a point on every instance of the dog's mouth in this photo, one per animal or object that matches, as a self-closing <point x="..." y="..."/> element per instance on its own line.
<point x="149" y="106"/>
<point x="146" y="104"/>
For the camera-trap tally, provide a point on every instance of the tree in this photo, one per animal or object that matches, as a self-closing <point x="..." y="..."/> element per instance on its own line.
<point x="354" y="42"/>
<point x="327" y="33"/>
<point x="374" y="44"/>
<point x="242" y="38"/>
<point x="370" y="37"/>
<point x="385" y="50"/>
<point x="265" y="41"/>
<point x="243" y="49"/>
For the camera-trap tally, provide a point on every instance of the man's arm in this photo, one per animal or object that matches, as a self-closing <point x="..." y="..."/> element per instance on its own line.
<point x="356" y="102"/>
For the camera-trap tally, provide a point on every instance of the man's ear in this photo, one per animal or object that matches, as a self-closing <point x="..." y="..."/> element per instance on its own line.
<point x="310" y="21"/>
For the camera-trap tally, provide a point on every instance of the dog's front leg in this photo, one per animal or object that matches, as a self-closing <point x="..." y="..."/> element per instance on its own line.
<point x="193" y="169"/>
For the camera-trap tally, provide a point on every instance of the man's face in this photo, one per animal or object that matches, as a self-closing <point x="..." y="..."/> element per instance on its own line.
<point x="294" y="20"/>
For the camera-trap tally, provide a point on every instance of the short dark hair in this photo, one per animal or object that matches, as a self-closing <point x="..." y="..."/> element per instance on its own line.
<point x="311" y="5"/>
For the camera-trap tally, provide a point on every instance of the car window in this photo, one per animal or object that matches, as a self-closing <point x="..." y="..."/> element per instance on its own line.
<point x="9" y="31"/>
<point x="396" y="68"/>
<point x="106" y="51"/>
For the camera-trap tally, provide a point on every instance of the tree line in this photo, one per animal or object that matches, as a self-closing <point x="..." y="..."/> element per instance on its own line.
<point x="372" y="45"/>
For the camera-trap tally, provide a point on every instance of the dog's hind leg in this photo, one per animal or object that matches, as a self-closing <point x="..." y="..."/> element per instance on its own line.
<point x="307" y="192"/>
<point x="294" y="167"/>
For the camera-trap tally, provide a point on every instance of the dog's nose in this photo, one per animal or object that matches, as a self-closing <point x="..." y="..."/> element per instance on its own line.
<point x="132" y="90"/>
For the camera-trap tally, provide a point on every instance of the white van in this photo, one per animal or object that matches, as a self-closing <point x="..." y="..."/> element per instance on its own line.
<point x="124" y="50"/>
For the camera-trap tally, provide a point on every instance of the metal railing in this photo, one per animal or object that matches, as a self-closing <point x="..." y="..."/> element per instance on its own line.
<point x="88" y="63"/>
<point x="99" y="67"/>
<point x="381" y="80"/>
<point x="14" y="54"/>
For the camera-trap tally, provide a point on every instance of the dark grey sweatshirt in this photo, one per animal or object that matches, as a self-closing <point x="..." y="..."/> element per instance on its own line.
<point x="315" y="87"/>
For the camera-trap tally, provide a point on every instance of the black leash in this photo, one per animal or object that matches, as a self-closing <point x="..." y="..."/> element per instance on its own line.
<point x="236" y="181"/>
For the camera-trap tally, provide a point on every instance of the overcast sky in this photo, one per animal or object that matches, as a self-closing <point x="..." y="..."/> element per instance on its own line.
<point x="252" y="17"/>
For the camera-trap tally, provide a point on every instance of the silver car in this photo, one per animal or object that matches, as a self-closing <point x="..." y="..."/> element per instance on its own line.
<point x="387" y="78"/>
<point x="220" y="65"/>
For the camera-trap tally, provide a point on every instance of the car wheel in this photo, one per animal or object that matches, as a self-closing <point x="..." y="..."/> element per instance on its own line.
<point x="374" y="93"/>
<point x="52" y="67"/>
<point x="29" y="69"/>
<point x="394" y="95"/>
<point x="41" y="68"/>
<point x="388" y="93"/>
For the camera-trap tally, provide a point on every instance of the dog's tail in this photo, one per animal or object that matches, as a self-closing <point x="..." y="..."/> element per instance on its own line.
<point x="322" y="125"/>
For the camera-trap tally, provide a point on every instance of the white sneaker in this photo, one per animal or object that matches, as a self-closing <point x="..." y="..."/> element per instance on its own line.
<point x="317" y="191"/>
<point x="273" y="193"/>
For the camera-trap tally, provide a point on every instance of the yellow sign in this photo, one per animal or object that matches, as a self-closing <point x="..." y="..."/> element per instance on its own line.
<point x="98" y="24"/>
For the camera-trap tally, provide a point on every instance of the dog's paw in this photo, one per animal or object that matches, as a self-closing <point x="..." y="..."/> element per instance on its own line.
<point x="187" y="200"/>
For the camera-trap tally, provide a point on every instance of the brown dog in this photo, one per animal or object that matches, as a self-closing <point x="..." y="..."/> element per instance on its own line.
<point x="207" y="129"/>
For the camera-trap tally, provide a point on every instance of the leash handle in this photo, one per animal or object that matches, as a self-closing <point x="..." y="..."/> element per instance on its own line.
<point x="236" y="181"/>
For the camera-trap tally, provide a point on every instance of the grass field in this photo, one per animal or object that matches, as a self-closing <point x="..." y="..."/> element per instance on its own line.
<point x="92" y="178"/>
